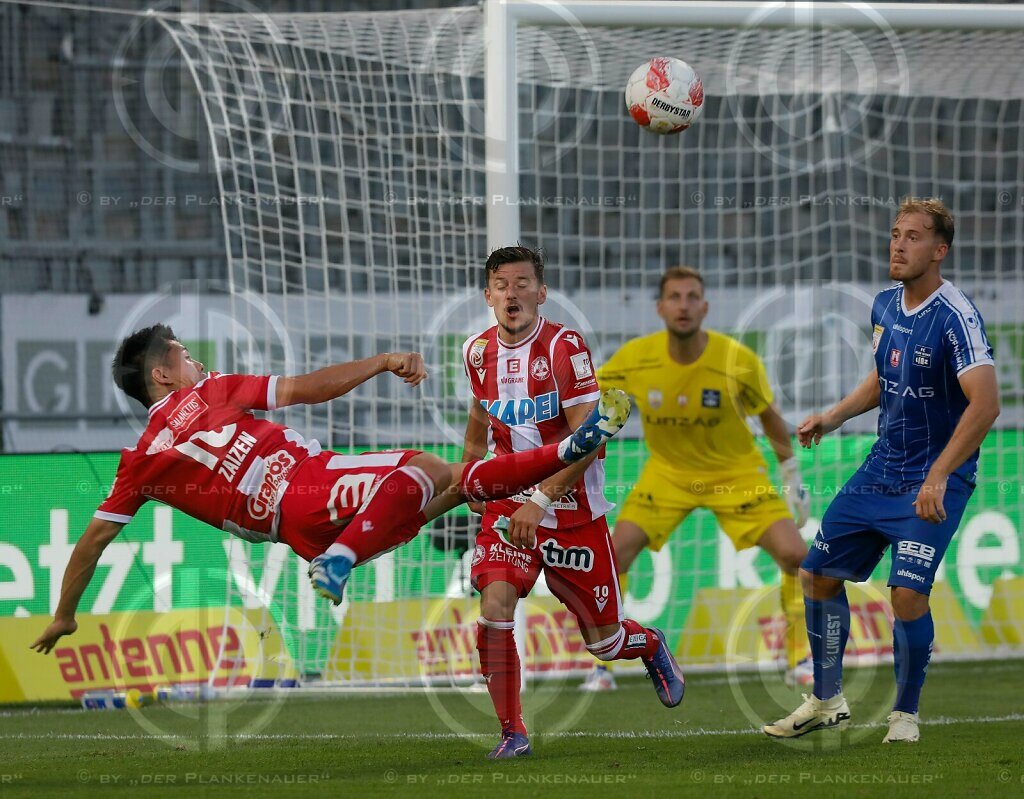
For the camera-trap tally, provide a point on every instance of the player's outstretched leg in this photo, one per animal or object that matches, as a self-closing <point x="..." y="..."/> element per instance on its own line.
<point x="391" y="516"/>
<point x="396" y="511"/>
<point x="507" y="475"/>
<point x="607" y="419"/>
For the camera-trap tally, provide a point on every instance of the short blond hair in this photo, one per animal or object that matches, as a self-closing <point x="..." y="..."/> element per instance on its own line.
<point x="679" y="273"/>
<point x="942" y="219"/>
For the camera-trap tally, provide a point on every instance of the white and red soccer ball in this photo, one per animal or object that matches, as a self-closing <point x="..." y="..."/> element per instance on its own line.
<point x="665" y="95"/>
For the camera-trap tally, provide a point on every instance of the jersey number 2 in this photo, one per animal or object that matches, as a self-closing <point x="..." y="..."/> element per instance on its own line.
<point x="214" y="439"/>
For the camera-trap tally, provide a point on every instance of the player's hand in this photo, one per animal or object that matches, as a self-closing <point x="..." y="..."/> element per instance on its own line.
<point x="797" y="499"/>
<point x="811" y="429"/>
<point x="522" y="526"/>
<point x="479" y="508"/>
<point x="408" y="365"/>
<point x="58" y="629"/>
<point x="929" y="499"/>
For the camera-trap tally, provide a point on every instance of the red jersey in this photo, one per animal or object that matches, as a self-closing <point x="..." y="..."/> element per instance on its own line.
<point x="205" y="454"/>
<point x="524" y="389"/>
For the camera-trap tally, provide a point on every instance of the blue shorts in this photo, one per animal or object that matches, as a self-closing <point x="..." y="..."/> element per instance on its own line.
<point x="867" y="516"/>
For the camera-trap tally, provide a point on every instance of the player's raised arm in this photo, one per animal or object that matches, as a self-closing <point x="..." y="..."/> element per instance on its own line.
<point x="337" y="380"/>
<point x="81" y="567"/>
<point x="861" y="400"/>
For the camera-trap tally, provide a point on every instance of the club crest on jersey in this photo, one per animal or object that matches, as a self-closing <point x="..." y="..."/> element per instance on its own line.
<point x="479" y="554"/>
<point x="876" y="337"/>
<point x="654" y="398"/>
<point x="186" y="412"/>
<point x="894" y="357"/>
<point x="161" y="441"/>
<point x="922" y="356"/>
<point x="516" y="411"/>
<point x="476" y="352"/>
<point x="540" y="369"/>
<point x="581" y="365"/>
<point x="711" y="398"/>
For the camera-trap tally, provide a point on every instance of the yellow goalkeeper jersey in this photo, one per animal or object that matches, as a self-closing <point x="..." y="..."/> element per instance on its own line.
<point x="694" y="415"/>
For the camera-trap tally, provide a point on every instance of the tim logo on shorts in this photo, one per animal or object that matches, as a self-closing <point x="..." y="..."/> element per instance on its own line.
<point x="578" y="558"/>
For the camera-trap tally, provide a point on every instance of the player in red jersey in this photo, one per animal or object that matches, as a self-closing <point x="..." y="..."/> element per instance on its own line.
<point x="204" y="453"/>
<point x="533" y="383"/>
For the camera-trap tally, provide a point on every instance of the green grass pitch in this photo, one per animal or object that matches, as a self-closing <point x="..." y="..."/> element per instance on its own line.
<point x="621" y="744"/>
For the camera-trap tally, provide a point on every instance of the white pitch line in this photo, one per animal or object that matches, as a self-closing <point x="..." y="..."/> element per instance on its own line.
<point x="436" y="736"/>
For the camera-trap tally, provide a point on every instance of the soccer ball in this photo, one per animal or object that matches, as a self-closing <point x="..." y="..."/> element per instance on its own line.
<point x="665" y="95"/>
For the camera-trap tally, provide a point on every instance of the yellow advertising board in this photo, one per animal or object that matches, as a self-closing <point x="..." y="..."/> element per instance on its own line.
<point x="1003" y="624"/>
<point x="140" y="649"/>
<point x="430" y="639"/>
<point x="743" y="625"/>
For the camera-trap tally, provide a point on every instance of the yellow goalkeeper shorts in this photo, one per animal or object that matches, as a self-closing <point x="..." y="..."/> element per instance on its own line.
<point x="745" y="504"/>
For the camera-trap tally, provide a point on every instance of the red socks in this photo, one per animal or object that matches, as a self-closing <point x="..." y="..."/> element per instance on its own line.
<point x="392" y="516"/>
<point x="507" y="475"/>
<point x="631" y="641"/>
<point x="499" y="663"/>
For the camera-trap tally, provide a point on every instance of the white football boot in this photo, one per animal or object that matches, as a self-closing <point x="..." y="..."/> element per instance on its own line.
<point x="813" y="714"/>
<point x="902" y="728"/>
<point x="599" y="679"/>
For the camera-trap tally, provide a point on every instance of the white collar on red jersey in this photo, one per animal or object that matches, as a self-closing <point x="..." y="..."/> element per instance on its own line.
<point x="527" y="340"/>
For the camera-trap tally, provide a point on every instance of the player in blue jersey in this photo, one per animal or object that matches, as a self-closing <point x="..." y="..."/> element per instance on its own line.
<point x="934" y="383"/>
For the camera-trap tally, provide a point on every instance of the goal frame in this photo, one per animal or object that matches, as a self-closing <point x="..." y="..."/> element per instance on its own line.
<point x="503" y="17"/>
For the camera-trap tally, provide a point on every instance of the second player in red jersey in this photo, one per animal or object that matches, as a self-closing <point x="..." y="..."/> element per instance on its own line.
<point x="533" y="382"/>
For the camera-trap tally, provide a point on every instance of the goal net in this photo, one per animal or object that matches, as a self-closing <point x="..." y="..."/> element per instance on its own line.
<point x="358" y="178"/>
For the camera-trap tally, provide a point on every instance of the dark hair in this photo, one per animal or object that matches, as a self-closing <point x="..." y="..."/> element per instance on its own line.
<point x="679" y="273"/>
<point x="135" y="354"/>
<point x="514" y="255"/>
<point x="942" y="219"/>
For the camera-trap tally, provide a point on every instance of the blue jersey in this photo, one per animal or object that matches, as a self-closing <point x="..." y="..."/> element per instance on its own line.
<point x="920" y="355"/>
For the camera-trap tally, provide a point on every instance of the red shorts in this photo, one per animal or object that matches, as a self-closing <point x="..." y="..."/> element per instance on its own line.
<point x="327" y="490"/>
<point x="578" y="564"/>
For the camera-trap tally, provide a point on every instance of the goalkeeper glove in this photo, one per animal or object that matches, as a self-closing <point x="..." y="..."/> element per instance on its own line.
<point x="797" y="499"/>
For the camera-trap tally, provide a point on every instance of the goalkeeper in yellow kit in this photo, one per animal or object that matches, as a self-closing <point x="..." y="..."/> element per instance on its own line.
<point x="695" y="389"/>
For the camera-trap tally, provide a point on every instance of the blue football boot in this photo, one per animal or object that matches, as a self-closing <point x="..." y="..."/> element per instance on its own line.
<point x="665" y="673"/>
<point x="328" y="575"/>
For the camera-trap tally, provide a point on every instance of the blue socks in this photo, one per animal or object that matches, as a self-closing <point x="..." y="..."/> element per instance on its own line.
<point x="912" y="649"/>
<point x="828" y="627"/>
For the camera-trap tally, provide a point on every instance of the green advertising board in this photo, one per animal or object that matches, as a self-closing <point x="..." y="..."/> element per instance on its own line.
<point x="164" y="559"/>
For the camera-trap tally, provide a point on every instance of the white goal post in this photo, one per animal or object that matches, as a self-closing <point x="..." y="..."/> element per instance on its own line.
<point x="367" y="161"/>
